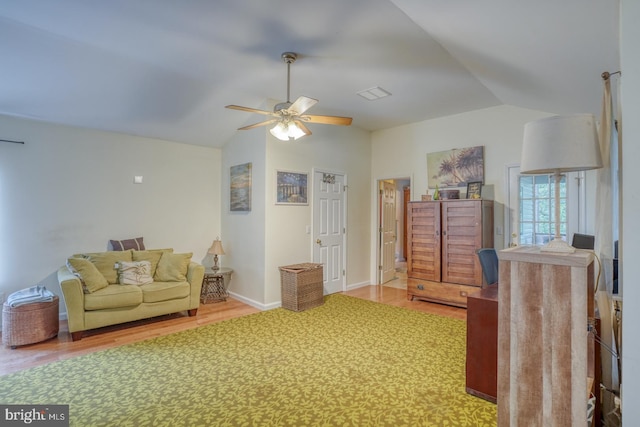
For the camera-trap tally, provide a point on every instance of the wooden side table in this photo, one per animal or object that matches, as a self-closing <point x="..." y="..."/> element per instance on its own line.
<point x="215" y="285"/>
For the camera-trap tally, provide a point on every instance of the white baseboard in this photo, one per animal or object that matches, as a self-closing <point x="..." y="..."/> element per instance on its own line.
<point x="357" y="285"/>
<point x="256" y="304"/>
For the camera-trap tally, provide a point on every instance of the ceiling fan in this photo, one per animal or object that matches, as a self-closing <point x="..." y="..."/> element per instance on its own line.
<point x="289" y="117"/>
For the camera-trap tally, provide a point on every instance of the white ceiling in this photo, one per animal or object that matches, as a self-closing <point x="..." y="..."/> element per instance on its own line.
<point x="167" y="68"/>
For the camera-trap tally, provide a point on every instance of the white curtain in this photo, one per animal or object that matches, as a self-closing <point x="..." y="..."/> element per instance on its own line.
<point x="604" y="249"/>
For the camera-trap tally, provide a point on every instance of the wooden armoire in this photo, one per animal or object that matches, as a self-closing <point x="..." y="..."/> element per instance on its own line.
<point x="443" y="237"/>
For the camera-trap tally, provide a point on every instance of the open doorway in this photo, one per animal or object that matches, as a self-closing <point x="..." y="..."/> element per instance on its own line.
<point x="393" y="196"/>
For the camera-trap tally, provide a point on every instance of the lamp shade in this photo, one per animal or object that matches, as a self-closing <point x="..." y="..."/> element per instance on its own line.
<point x="560" y="144"/>
<point x="216" y="248"/>
<point x="280" y="131"/>
<point x="286" y="131"/>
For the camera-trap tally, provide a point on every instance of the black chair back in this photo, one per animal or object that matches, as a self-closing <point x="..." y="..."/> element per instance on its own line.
<point x="489" y="261"/>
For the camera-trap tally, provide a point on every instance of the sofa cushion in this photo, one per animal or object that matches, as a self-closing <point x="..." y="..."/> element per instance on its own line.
<point x="92" y="280"/>
<point x="122" y="245"/>
<point x="106" y="262"/>
<point x="134" y="273"/>
<point x="172" y="267"/>
<point x="113" y="296"/>
<point x="165" y="291"/>
<point x="151" y="255"/>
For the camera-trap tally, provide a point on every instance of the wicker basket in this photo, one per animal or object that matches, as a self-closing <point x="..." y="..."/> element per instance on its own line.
<point x="301" y="286"/>
<point x="29" y="323"/>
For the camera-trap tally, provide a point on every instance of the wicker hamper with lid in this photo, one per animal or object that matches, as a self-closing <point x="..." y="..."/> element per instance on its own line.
<point x="301" y="286"/>
<point x="29" y="323"/>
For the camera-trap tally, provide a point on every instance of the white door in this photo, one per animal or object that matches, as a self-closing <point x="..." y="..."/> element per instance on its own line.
<point x="387" y="231"/>
<point x="329" y="201"/>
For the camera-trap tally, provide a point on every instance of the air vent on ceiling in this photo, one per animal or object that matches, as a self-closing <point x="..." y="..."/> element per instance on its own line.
<point x="374" y="93"/>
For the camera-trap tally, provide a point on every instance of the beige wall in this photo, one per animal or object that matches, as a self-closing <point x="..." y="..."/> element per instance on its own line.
<point x="68" y="190"/>
<point x="402" y="151"/>
<point x="274" y="235"/>
<point x="243" y="233"/>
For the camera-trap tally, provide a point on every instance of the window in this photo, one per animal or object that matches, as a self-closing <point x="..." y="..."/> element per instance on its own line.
<point x="531" y="213"/>
<point x="537" y="209"/>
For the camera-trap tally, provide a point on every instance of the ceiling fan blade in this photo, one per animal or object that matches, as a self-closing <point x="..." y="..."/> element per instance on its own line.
<point x="255" y="125"/>
<point x="302" y="127"/>
<point x="249" y="110"/>
<point x="327" y="120"/>
<point x="301" y="105"/>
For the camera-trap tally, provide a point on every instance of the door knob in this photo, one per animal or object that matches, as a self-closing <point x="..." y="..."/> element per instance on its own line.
<point x="318" y="241"/>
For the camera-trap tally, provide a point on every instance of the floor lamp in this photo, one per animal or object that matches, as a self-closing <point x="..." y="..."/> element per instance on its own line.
<point x="555" y="145"/>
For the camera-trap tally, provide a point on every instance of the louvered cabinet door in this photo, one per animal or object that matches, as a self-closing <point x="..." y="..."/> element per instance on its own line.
<point x="461" y="237"/>
<point x="423" y="241"/>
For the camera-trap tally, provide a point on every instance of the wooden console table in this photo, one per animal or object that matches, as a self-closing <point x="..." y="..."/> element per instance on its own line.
<point x="545" y="303"/>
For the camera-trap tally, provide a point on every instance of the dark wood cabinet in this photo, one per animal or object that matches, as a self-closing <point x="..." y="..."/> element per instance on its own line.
<point x="482" y="343"/>
<point x="443" y="237"/>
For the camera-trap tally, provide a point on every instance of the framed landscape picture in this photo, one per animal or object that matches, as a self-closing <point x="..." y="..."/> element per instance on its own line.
<point x="240" y="188"/>
<point x="455" y="168"/>
<point x="291" y="188"/>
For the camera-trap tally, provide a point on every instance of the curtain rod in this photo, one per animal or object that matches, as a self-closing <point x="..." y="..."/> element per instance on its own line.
<point x="606" y="74"/>
<point x="9" y="140"/>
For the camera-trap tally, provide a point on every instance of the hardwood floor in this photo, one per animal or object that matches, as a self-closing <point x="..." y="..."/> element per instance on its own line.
<point x="61" y="347"/>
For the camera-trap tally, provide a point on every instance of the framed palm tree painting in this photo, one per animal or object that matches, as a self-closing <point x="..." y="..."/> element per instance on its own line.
<point x="455" y="168"/>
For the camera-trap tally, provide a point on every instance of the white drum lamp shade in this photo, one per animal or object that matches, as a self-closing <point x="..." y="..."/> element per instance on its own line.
<point x="556" y="145"/>
<point x="560" y="144"/>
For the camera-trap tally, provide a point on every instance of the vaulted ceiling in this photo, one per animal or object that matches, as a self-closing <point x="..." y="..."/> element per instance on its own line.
<point x="166" y="68"/>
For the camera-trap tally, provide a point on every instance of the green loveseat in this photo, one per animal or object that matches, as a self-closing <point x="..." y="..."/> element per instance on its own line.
<point x="95" y="297"/>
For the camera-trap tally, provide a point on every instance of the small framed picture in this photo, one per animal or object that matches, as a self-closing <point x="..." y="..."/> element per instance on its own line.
<point x="474" y="189"/>
<point x="291" y="188"/>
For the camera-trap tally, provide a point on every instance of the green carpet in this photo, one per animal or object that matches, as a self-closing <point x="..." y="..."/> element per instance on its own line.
<point x="349" y="362"/>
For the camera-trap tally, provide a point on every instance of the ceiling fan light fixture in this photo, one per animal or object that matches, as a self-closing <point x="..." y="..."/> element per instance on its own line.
<point x="295" y="132"/>
<point x="290" y="118"/>
<point x="280" y="131"/>
<point x="285" y="131"/>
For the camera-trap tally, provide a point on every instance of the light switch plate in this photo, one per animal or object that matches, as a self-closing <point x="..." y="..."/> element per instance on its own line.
<point x="137" y="179"/>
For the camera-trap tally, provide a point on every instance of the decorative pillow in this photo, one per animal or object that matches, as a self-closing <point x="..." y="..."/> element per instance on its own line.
<point x="92" y="280"/>
<point x="106" y="262"/>
<point x="173" y="267"/>
<point x="122" y="245"/>
<point x="151" y="255"/>
<point x="134" y="273"/>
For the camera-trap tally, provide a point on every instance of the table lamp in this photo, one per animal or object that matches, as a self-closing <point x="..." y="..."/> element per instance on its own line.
<point x="216" y="249"/>
<point x="556" y="145"/>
